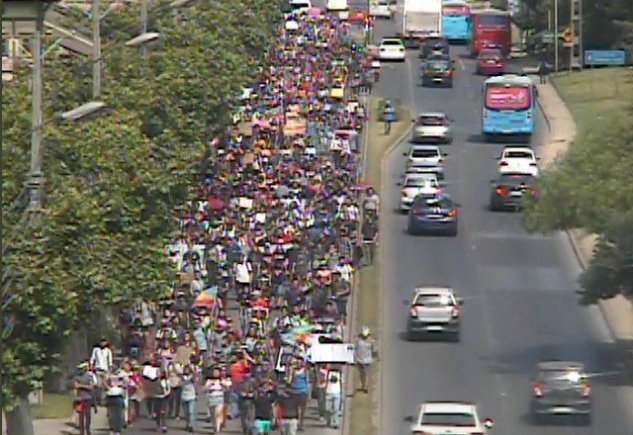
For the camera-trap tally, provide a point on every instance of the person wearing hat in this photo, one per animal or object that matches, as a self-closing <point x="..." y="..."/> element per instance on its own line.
<point x="84" y="384"/>
<point x="364" y="353"/>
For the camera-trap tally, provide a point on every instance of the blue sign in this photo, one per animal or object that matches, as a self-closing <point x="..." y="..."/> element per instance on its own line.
<point x="605" y="57"/>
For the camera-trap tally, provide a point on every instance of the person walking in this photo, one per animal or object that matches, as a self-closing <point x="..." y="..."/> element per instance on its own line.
<point x="289" y="411"/>
<point x="264" y="400"/>
<point x="542" y="72"/>
<point x="189" y="398"/>
<point x="364" y="353"/>
<point x="333" y="399"/>
<point x="161" y="401"/>
<point x="84" y="386"/>
<point x="301" y="387"/>
<point x="101" y="360"/>
<point x="215" y="399"/>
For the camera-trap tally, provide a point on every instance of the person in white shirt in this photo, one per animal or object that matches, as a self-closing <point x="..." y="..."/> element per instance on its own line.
<point x="101" y="361"/>
<point x="333" y="398"/>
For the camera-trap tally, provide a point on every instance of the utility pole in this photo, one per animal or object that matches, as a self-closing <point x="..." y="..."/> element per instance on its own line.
<point x="96" y="50"/>
<point x="35" y="179"/>
<point x="556" y="35"/>
<point x="576" y="47"/>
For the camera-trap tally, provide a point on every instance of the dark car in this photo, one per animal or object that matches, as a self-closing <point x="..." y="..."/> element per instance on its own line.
<point x="438" y="71"/>
<point x="490" y="62"/>
<point x="509" y="191"/>
<point x="561" y="388"/>
<point x="433" y="214"/>
<point x="434" y="44"/>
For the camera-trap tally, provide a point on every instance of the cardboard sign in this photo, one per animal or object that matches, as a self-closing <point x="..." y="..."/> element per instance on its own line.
<point x="183" y="355"/>
<point x="246" y="203"/>
<point x="335" y="353"/>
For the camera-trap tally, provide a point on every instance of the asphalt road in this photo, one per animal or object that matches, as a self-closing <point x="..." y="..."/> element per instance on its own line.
<point x="518" y="288"/>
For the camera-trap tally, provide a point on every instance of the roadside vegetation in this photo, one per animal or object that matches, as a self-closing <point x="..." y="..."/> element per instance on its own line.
<point x="592" y="188"/>
<point x="607" y="24"/>
<point x="113" y="183"/>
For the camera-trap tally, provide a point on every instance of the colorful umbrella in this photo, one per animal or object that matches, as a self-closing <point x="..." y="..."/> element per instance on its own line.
<point x="206" y="299"/>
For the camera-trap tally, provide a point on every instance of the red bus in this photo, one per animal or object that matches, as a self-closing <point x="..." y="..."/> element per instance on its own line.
<point x="491" y="28"/>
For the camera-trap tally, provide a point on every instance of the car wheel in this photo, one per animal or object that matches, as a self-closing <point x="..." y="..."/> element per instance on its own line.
<point x="452" y="232"/>
<point x="410" y="336"/>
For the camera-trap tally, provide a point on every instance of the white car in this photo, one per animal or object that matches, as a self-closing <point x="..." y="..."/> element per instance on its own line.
<point x="417" y="184"/>
<point x="392" y="49"/>
<point x="518" y="160"/>
<point x="380" y="9"/>
<point x="430" y="154"/>
<point x="301" y="5"/>
<point x="432" y="127"/>
<point x="454" y="418"/>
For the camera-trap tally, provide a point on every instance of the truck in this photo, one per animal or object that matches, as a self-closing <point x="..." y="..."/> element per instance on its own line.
<point x="421" y="18"/>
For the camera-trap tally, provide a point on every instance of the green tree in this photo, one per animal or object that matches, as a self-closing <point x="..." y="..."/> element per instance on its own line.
<point x="112" y="182"/>
<point x="592" y="189"/>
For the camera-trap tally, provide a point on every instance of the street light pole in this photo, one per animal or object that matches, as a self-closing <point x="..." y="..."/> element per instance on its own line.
<point x="35" y="179"/>
<point x="96" y="50"/>
<point x="556" y="35"/>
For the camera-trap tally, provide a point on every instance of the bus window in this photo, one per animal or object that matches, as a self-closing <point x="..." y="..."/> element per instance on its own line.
<point x="492" y="20"/>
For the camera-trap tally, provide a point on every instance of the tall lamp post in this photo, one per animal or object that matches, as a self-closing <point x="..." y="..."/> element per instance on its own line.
<point x="28" y="16"/>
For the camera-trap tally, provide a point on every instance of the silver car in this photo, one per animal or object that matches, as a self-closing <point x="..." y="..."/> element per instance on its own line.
<point x="434" y="311"/>
<point x="432" y="127"/>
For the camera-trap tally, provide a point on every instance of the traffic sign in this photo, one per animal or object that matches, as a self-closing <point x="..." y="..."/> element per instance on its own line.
<point x="605" y="57"/>
<point x="548" y="37"/>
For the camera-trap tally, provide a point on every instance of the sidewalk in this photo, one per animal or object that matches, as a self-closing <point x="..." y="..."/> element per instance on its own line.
<point x="618" y="311"/>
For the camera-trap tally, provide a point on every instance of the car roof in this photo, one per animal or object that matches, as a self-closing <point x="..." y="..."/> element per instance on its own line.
<point x="560" y="365"/>
<point x="448" y="407"/>
<point x="434" y="291"/>
<point x="510" y="79"/>
<point x="432" y="115"/>
<point x="391" y="39"/>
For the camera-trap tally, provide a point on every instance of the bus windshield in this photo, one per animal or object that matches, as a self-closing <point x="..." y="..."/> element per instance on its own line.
<point x="492" y="20"/>
<point x="455" y="11"/>
<point x="508" y="98"/>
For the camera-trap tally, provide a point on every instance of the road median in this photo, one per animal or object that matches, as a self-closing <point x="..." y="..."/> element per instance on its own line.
<point x="573" y="105"/>
<point x="364" y="409"/>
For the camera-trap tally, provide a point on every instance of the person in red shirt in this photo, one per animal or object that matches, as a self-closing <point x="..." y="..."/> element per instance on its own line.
<point x="240" y="369"/>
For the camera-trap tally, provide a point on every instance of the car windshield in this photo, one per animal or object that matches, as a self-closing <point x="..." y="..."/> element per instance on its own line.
<point x="438" y="65"/>
<point x="418" y="182"/>
<point x="448" y="419"/>
<point x="490" y="54"/>
<point x="432" y="120"/>
<point x="441" y="203"/>
<point x="561" y="378"/>
<point x="518" y="155"/>
<point x="433" y="301"/>
<point x="393" y="42"/>
<point x="422" y="153"/>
